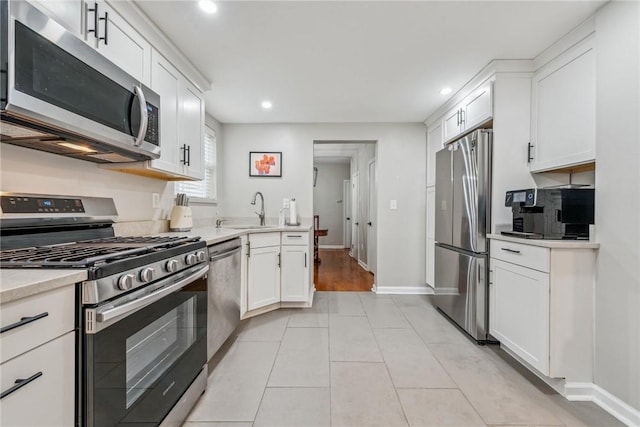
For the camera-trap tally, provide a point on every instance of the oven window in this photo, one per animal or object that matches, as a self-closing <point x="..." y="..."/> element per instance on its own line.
<point x="137" y="368"/>
<point x="155" y="348"/>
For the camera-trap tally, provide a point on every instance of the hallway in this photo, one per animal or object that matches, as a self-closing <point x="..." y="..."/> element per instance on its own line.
<point x="339" y="272"/>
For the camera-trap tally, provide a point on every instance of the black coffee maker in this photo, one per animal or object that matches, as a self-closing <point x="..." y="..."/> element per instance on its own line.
<point x="551" y="213"/>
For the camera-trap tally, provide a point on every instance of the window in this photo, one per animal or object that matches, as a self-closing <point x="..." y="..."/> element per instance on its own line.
<point x="204" y="191"/>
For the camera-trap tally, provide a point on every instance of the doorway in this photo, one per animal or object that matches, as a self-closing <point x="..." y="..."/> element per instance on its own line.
<point x="345" y="187"/>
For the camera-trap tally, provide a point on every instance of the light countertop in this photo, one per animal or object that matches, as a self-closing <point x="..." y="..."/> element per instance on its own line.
<point x="214" y="235"/>
<point x="553" y="244"/>
<point x="20" y="283"/>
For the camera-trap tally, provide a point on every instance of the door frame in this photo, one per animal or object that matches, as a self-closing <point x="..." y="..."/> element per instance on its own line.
<point x="372" y="234"/>
<point x="355" y="202"/>
<point x="346" y="207"/>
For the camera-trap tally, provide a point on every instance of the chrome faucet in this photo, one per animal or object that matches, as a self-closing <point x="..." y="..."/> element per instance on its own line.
<point x="253" y="202"/>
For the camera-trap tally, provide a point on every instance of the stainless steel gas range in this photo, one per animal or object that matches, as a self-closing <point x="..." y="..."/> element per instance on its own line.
<point x="142" y="313"/>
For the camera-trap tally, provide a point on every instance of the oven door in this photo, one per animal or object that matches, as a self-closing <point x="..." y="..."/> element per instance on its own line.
<point x="143" y="350"/>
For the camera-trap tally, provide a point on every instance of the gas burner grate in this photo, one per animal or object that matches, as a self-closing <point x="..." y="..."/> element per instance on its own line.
<point x="139" y="240"/>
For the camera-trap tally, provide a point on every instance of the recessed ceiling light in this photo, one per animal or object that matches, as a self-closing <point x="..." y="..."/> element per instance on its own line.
<point x="445" y="91"/>
<point x="208" y="6"/>
<point x="267" y="105"/>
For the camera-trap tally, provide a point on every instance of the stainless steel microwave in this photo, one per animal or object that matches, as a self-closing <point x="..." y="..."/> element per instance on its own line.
<point x="60" y="95"/>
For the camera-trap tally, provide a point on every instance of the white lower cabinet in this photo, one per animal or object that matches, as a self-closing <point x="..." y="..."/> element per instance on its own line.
<point x="37" y="370"/>
<point x="295" y="273"/>
<point x="519" y="316"/>
<point x="278" y="270"/>
<point x="541" y="306"/>
<point x="263" y="274"/>
<point x="49" y="398"/>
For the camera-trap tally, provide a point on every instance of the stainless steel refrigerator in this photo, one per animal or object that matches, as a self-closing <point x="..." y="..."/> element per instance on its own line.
<point x="462" y="219"/>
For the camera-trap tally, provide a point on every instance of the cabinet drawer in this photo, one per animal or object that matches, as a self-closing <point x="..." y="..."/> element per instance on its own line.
<point x="295" y="238"/>
<point x="59" y="306"/>
<point x="529" y="256"/>
<point x="49" y="398"/>
<point x="262" y="240"/>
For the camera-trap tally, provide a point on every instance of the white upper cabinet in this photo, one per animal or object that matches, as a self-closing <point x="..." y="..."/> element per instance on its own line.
<point x="67" y="13"/>
<point x="165" y="80"/>
<point x="474" y="110"/>
<point x="563" y="110"/>
<point x="113" y="37"/>
<point x="191" y="130"/>
<point x="434" y="143"/>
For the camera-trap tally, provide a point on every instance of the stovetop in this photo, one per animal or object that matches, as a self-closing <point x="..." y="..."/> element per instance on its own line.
<point x="96" y="252"/>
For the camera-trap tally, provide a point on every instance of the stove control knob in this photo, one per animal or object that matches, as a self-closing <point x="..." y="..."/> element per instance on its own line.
<point x="191" y="259"/>
<point x="201" y="256"/>
<point x="172" y="266"/>
<point x="146" y="275"/>
<point x="125" y="282"/>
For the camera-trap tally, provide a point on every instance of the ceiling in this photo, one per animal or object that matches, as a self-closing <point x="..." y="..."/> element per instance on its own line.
<point x="353" y="61"/>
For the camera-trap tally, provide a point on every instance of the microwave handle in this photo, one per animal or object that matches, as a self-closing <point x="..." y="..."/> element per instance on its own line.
<point x="144" y="116"/>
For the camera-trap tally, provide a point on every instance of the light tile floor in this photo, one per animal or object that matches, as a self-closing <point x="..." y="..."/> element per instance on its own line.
<point x="359" y="359"/>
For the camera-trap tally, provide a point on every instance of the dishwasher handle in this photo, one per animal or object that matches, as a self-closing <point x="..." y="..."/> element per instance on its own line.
<point x="225" y="254"/>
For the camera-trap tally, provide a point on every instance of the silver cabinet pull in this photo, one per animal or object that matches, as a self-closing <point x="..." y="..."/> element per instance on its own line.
<point x="513" y="251"/>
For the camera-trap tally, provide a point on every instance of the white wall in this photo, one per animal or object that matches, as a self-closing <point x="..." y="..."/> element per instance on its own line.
<point x="328" y="200"/>
<point x="32" y="171"/>
<point x="617" y="288"/>
<point x="401" y="151"/>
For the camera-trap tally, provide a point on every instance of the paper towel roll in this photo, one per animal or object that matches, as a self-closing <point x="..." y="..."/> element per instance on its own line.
<point x="293" y="212"/>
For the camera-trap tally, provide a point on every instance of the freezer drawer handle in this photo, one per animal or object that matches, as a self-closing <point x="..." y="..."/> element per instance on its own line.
<point x="19" y="383"/>
<point x="513" y="251"/>
<point x="23" y="321"/>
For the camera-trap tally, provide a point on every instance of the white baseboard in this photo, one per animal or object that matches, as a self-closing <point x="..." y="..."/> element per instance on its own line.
<point x="404" y="290"/>
<point x="363" y="265"/>
<point x="624" y="412"/>
<point x="331" y="247"/>
<point x="587" y="392"/>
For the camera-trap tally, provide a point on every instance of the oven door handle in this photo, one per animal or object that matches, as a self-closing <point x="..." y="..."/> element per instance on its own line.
<point x="131" y="306"/>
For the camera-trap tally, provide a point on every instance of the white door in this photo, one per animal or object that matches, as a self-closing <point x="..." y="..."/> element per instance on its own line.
<point x="519" y="315"/>
<point x="263" y="277"/>
<point x="372" y="223"/>
<point x="165" y="81"/>
<point x="295" y="273"/>
<point x="355" y="199"/>
<point x="346" y="196"/>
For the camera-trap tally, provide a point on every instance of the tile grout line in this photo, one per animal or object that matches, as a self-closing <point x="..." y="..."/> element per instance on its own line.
<point x="395" y="389"/>
<point x="266" y="385"/>
<point x="329" y="356"/>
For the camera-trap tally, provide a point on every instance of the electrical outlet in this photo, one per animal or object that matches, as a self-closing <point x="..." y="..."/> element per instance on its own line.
<point x="155" y="200"/>
<point x="393" y="204"/>
<point x="285" y="203"/>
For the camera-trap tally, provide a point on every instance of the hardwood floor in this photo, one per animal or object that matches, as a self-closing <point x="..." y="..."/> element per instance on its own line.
<point x="339" y="272"/>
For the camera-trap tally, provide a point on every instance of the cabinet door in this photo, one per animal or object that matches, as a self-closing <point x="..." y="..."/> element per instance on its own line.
<point x="263" y="277"/>
<point x="434" y="143"/>
<point x="120" y="43"/>
<point x="191" y="129"/>
<point x="519" y="312"/>
<point x="451" y="124"/>
<point x="430" y="238"/>
<point x="49" y="398"/>
<point x="563" y="110"/>
<point x="165" y="81"/>
<point x="295" y="273"/>
<point x="67" y="13"/>
<point x="477" y="107"/>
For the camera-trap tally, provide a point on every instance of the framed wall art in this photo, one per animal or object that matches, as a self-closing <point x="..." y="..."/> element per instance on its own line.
<point x="265" y="163"/>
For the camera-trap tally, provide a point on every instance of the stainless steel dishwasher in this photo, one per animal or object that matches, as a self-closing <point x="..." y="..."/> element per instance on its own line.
<point x="224" y="293"/>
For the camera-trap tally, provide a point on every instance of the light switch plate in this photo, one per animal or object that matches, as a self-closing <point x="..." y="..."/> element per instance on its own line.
<point x="155" y="200"/>
<point x="393" y="204"/>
